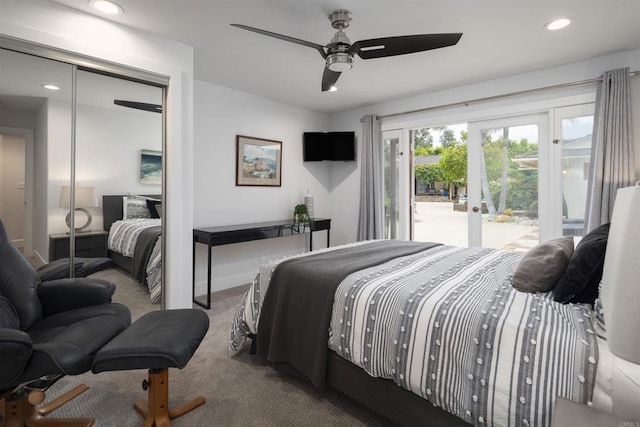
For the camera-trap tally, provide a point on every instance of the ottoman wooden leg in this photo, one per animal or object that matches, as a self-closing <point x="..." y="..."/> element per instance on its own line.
<point x="156" y="410"/>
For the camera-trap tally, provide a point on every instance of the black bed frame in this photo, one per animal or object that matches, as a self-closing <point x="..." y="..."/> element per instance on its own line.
<point x="385" y="397"/>
<point x="112" y="212"/>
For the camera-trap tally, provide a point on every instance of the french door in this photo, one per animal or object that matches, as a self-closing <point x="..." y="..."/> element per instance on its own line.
<point x="397" y="185"/>
<point x="508" y="184"/>
<point x="573" y="128"/>
<point x="526" y="183"/>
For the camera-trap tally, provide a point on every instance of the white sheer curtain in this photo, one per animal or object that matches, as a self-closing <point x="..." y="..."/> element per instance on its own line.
<point x="611" y="149"/>
<point x="371" y="217"/>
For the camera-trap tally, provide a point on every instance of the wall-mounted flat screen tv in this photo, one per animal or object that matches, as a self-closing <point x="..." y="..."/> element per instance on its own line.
<point x="334" y="146"/>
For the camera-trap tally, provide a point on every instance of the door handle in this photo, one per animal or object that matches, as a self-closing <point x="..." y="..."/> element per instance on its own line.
<point x="475" y="209"/>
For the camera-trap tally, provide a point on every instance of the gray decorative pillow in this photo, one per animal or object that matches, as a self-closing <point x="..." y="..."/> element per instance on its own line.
<point x="542" y="266"/>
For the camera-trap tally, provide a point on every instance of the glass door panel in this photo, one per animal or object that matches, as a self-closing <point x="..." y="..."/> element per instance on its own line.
<point x="392" y="183"/>
<point x="504" y="181"/>
<point x="440" y="176"/>
<point x="35" y="105"/>
<point x="574" y="126"/>
<point x="119" y="133"/>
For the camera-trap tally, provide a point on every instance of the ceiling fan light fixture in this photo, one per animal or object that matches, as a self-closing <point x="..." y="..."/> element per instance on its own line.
<point x="339" y="62"/>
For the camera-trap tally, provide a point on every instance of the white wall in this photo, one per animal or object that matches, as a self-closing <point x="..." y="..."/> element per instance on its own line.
<point x="344" y="198"/>
<point x="221" y="114"/>
<point x="54" y="25"/>
<point x="17" y="119"/>
<point x="57" y="153"/>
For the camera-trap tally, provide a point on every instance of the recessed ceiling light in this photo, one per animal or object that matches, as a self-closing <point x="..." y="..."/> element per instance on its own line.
<point x="50" y="87"/>
<point x="106" y="6"/>
<point x="558" y="24"/>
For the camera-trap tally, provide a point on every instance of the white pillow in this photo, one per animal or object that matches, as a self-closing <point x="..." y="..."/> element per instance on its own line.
<point x="135" y="207"/>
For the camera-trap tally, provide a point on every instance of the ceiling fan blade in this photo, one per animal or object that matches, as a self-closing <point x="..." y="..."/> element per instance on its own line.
<point x="401" y="45"/>
<point x="329" y="79"/>
<point x="155" y="108"/>
<point x="318" y="47"/>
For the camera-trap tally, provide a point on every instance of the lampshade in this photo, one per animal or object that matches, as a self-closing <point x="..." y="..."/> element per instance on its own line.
<point x="85" y="197"/>
<point x="621" y="275"/>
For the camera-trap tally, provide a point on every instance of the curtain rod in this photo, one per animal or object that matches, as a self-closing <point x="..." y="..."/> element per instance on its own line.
<point x="505" y="95"/>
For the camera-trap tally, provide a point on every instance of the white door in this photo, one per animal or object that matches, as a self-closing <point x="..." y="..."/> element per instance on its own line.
<point x="572" y="130"/>
<point x="397" y="185"/>
<point x="508" y="182"/>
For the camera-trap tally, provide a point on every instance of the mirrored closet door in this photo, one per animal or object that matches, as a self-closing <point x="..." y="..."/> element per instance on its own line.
<point x="84" y="153"/>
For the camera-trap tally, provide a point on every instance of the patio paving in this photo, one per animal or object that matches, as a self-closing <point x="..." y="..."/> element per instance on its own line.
<point x="438" y="222"/>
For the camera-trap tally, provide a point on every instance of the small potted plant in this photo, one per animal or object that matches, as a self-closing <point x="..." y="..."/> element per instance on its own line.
<point x="300" y="214"/>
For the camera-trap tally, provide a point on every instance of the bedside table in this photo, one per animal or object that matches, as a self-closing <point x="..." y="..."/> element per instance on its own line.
<point x="569" y="413"/>
<point x="88" y="245"/>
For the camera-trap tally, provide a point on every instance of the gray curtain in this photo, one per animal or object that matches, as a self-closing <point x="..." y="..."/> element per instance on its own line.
<point x="611" y="148"/>
<point x="371" y="217"/>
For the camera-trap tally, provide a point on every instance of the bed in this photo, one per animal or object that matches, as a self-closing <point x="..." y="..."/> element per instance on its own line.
<point x="134" y="242"/>
<point x="425" y="334"/>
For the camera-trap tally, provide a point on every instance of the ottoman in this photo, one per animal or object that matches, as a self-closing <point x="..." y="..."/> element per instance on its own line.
<point x="157" y="341"/>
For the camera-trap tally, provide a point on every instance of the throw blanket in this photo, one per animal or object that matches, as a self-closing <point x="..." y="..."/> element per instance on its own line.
<point x="296" y="314"/>
<point x="139" y="239"/>
<point x="154" y="272"/>
<point x="144" y="247"/>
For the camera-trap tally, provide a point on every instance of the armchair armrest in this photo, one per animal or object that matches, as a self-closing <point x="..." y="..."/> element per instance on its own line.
<point x="67" y="294"/>
<point x="15" y="351"/>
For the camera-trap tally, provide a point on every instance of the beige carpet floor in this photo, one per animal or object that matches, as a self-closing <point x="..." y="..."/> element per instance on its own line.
<point x="239" y="391"/>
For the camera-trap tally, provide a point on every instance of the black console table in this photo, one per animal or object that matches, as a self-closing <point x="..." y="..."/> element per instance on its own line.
<point x="228" y="234"/>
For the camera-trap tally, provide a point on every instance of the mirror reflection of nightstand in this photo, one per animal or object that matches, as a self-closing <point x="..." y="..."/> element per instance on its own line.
<point x="88" y="245"/>
<point x="568" y="413"/>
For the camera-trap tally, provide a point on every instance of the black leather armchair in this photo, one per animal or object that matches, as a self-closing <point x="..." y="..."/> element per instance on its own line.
<point x="48" y="330"/>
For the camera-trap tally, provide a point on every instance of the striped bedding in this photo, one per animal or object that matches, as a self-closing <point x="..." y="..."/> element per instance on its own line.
<point x="447" y="325"/>
<point x="123" y="237"/>
<point x="124" y="234"/>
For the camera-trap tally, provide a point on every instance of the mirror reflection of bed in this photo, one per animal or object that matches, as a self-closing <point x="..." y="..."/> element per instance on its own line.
<point x="134" y="226"/>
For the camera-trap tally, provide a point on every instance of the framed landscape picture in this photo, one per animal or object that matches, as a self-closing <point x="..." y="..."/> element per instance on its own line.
<point x="151" y="167"/>
<point x="258" y="161"/>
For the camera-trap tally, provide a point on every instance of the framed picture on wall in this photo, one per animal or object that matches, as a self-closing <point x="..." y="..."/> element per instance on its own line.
<point x="151" y="167"/>
<point x="258" y="161"/>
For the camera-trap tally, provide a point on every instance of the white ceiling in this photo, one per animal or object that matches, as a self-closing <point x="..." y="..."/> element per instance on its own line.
<point x="500" y="37"/>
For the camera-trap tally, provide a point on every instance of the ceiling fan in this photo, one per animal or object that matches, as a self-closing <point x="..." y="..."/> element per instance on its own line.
<point x="339" y="53"/>
<point x="144" y="106"/>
